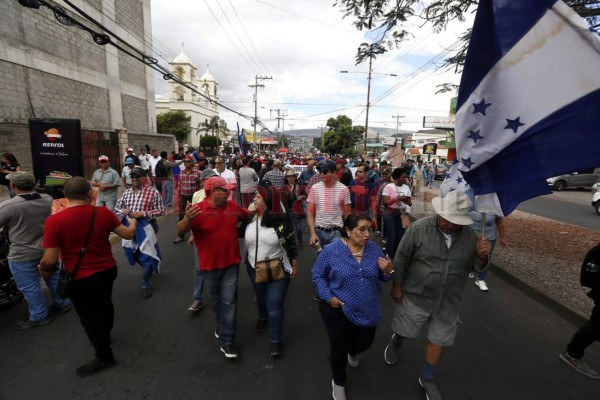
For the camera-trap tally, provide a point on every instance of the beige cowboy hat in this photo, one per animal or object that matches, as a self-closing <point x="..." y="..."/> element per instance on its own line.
<point x="454" y="207"/>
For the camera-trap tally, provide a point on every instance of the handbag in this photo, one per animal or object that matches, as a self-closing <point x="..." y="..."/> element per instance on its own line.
<point x="267" y="270"/>
<point x="65" y="277"/>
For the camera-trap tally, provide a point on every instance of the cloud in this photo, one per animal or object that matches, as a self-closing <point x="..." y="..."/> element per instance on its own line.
<point x="303" y="46"/>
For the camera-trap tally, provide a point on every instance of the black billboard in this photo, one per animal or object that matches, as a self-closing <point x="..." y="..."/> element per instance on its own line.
<point x="55" y="146"/>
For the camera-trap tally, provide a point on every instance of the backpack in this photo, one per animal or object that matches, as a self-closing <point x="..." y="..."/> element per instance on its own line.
<point x="160" y="171"/>
<point x="590" y="269"/>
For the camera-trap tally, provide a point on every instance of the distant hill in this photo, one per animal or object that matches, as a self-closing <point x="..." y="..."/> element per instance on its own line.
<point x="315" y="133"/>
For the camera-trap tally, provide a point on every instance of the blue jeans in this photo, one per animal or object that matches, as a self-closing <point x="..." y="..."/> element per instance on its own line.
<point x="393" y="232"/>
<point x="27" y="277"/>
<point x="168" y="193"/>
<point x="429" y="180"/>
<point x="297" y="224"/>
<point x="221" y="288"/>
<point x="147" y="270"/>
<point x="270" y="297"/>
<point x="198" y="278"/>
<point x="326" y="237"/>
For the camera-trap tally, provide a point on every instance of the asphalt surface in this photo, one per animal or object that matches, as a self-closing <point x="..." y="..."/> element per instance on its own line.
<point x="565" y="207"/>
<point x="507" y="347"/>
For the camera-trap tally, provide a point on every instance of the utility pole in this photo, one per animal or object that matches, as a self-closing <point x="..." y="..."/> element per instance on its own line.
<point x="281" y="114"/>
<point x="368" y="104"/>
<point x="256" y="86"/>
<point x="397" y="122"/>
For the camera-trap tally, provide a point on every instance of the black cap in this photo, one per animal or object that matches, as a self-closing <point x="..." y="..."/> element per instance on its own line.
<point x="327" y="166"/>
<point x="138" y="171"/>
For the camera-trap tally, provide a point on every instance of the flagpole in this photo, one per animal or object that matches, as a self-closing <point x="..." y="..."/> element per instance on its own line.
<point x="483" y="225"/>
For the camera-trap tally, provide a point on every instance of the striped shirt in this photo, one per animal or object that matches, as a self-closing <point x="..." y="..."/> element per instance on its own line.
<point x="146" y="200"/>
<point x="190" y="181"/>
<point x="329" y="202"/>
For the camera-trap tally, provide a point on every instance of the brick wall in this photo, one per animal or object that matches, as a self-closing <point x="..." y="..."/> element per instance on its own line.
<point x="128" y="16"/>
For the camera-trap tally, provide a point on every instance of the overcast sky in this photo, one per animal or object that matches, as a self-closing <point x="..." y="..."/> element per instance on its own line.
<point x="303" y="45"/>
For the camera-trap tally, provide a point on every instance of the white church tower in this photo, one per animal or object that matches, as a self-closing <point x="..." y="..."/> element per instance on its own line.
<point x="200" y="107"/>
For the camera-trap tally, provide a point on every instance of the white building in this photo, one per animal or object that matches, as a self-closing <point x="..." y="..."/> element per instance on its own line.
<point x="200" y="108"/>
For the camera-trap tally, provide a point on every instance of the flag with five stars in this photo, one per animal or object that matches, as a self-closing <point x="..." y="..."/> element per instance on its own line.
<point x="529" y="101"/>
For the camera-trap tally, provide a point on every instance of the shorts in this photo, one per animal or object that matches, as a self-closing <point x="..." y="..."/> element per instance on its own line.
<point x="409" y="319"/>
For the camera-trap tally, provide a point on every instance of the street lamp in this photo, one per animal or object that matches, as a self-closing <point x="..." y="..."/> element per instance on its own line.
<point x="370" y="72"/>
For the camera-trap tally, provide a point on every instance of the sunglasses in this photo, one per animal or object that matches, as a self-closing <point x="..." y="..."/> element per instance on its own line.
<point x="103" y="161"/>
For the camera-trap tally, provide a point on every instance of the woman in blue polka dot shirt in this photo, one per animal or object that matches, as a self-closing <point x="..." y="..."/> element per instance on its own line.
<point x="347" y="277"/>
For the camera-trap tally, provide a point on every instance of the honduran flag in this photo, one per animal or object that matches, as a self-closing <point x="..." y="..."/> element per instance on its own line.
<point x="240" y="137"/>
<point x="143" y="247"/>
<point x="529" y="101"/>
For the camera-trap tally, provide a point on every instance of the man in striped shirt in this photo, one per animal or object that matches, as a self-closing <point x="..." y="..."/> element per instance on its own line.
<point x="328" y="203"/>
<point x="142" y="201"/>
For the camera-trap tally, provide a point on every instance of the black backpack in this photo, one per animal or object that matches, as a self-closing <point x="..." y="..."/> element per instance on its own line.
<point x="160" y="171"/>
<point x="590" y="269"/>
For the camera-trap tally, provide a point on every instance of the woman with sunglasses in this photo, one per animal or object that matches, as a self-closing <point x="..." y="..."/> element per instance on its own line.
<point x="347" y="276"/>
<point x="270" y="236"/>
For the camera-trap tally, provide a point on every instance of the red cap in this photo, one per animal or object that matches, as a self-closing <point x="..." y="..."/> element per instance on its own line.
<point x="129" y="149"/>
<point x="340" y="161"/>
<point x="189" y="158"/>
<point x="217" y="182"/>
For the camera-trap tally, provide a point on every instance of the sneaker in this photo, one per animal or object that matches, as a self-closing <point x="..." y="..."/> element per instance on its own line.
<point x="94" y="366"/>
<point x="217" y="332"/>
<point x="431" y="391"/>
<point x="146" y="292"/>
<point x="339" y="392"/>
<point x="275" y="349"/>
<point x="261" y="325"/>
<point x="230" y="351"/>
<point x="178" y="240"/>
<point x="482" y="285"/>
<point x="62" y="310"/>
<point x="353" y="360"/>
<point x="377" y="233"/>
<point x="390" y="354"/>
<point x="471" y="275"/>
<point x="579" y="365"/>
<point x="32" y="324"/>
<point x="196" y="306"/>
<point x="384" y="240"/>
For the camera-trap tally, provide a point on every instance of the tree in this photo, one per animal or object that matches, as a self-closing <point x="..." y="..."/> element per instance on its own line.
<point x="341" y="136"/>
<point x="209" y="141"/>
<point x="389" y="19"/>
<point x="175" y="123"/>
<point x="212" y="125"/>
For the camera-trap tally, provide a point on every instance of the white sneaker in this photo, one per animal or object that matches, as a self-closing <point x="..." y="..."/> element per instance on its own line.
<point x="339" y="392"/>
<point x="353" y="360"/>
<point x="482" y="285"/>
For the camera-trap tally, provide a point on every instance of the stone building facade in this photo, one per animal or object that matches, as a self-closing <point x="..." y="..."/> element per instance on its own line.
<point x="50" y="70"/>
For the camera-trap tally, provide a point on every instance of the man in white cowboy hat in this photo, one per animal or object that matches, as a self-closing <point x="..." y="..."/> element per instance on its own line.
<point x="432" y="263"/>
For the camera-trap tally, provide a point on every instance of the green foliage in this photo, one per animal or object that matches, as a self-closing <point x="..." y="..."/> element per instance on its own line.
<point x="389" y="20"/>
<point x="341" y="136"/>
<point x="175" y="123"/>
<point x="212" y="125"/>
<point x="209" y="141"/>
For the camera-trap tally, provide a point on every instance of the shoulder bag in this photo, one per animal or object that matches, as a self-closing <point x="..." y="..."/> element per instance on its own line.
<point x="267" y="270"/>
<point x="65" y="277"/>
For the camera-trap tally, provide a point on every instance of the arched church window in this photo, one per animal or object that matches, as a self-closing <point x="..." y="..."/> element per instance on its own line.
<point x="179" y="93"/>
<point x="179" y="71"/>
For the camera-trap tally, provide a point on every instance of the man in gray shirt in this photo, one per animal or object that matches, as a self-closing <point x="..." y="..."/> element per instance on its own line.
<point x="107" y="180"/>
<point x="24" y="216"/>
<point x="432" y="263"/>
<point x="248" y="180"/>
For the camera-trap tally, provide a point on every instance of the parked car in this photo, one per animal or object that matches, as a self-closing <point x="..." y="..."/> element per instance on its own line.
<point x="440" y="171"/>
<point x="596" y="197"/>
<point x="580" y="179"/>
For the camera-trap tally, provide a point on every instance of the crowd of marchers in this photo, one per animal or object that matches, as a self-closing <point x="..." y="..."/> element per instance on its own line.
<point x="334" y="204"/>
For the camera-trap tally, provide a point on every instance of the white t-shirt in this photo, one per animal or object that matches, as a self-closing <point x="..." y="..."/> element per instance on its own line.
<point x="393" y="192"/>
<point x="227" y="174"/>
<point x="329" y="202"/>
<point x="269" y="247"/>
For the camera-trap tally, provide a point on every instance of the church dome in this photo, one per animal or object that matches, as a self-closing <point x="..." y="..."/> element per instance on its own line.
<point x="207" y="77"/>
<point x="182" y="58"/>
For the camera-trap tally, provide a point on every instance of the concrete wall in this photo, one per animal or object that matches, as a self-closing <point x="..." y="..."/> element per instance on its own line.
<point x="155" y="141"/>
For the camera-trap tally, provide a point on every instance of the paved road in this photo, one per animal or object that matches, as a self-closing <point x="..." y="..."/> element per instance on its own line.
<point x="506" y="348"/>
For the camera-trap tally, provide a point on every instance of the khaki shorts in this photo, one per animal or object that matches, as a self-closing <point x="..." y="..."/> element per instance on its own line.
<point x="409" y="319"/>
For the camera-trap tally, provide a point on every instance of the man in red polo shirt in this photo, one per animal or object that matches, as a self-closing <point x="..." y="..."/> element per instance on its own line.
<point x="213" y="223"/>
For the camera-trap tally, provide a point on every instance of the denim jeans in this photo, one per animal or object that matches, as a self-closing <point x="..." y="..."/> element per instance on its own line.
<point x="393" y="232"/>
<point x="326" y="237"/>
<point x="198" y="278"/>
<point x="147" y="270"/>
<point x="270" y="297"/>
<point x="297" y="224"/>
<point x="27" y="277"/>
<point x="429" y="180"/>
<point x="168" y="193"/>
<point x="221" y="288"/>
